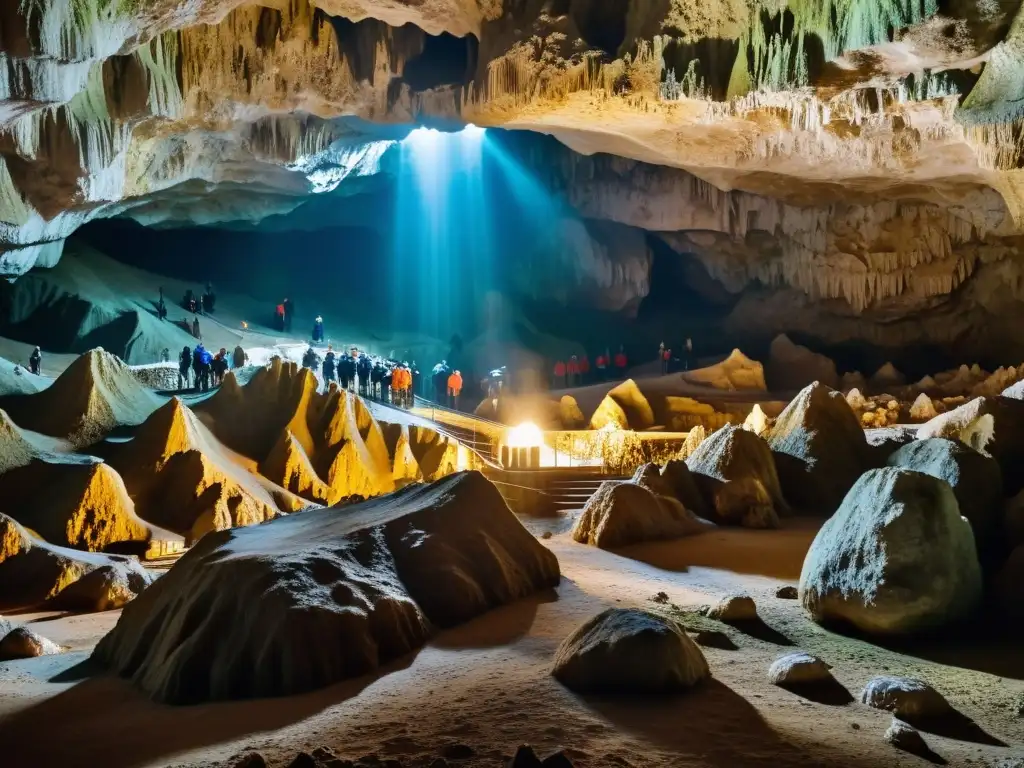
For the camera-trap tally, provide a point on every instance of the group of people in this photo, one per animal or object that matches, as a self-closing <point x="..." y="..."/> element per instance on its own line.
<point x="447" y="384"/>
<point x="370" y="375"/>
<point x="576" y="370"/>
<point x="667" y="360"/>
<point x="207" y="370"/>
<point x="204" y="304"/>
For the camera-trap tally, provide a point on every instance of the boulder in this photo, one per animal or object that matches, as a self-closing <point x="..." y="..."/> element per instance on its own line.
<point x="856" y="400"/>
<point x="799" y="669"/>
<point x="819" y="449"/>
<point x="787" y="593"/>
<point x="735" y="470"/>
<point x="906" y="697"/>
<point x="975" y="479"/>
<point x="312" y="598"/>
<point x="33" y="571"/>
<point x="922" y="408"/>
<point x="792" y="366"/>
<point x="619" y="514"/>
<point x="649" y="476"/>
<point x="895" y="558"/>
<point x="733" y="609"/>
<point x="23" y="643"/>
<point x="628" y="650"/>
<point x="907" y="738"/>
<point x="680" y="479"/>
<point x="624" y="407"/>
<point x="736" y="372"/>
<point x="569" y="413"/>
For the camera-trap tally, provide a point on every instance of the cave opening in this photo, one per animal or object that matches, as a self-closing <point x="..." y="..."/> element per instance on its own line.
<point x="444" y="60"/>
<point x="709" y="60"/>
<point x="602" y="23"/>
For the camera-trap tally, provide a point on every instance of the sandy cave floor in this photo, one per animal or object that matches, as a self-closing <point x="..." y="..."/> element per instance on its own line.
<point x="486" y="684"/>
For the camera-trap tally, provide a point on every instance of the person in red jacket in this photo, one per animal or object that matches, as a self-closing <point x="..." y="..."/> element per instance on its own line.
<point x="584" y="369"/>
<point x="573" y="369"/>
<point x="601" y="364"/>
<point x="666" y="358"/>
<point x="620" y="363"/>
<point x="558" y="380"/>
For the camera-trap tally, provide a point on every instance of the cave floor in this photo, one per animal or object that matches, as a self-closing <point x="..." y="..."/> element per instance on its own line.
<point x="486" y="684"/>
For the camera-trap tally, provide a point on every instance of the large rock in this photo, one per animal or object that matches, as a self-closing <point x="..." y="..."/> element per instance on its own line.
<point x="319" y="596"/>
<point x="792" y="366"/>
<point x="736" y="372"/>
<point x="627" y="650"/>
<point x="905" y="697"/>
<point x="626" y="513"/>
<point x="992" y="425"/>
<point x="975" y="479"/>
<point x="895" y="558"/>
<point x="819" y="449"/>
<point x="33" y="571"/>
<point x="680" y="479"/>
<point x="735" y="470"/>
<point x="23" y="643"/>
<point x="624" y="407"/>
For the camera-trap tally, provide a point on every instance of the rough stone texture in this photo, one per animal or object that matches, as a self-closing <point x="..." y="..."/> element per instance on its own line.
<point x="33" y="571"/>
<point x="922" y="408"/>
<point x="906" y="737"/>
<point x="734" y="608"/>
<point x="975" y="479"/>
<point x="736" y="372"/>
<point x="23" y="643"/>
<point x="680" y="479"/>
<point x="796" y="669"/>
<point x="734" y="468"/>
<point x="619" y="514"/>
<point x="907" y="698"/>
<point x="792" y="366"/>
<point x="895" y="558"/>
<point x="628" y="650"/>
<point x="624" y="407"/>
<point x="819" y="449"/>
<point x="326" y="595"/>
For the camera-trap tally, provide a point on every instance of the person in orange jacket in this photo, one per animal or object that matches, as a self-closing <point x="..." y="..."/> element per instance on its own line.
<point x="454" y="388"/>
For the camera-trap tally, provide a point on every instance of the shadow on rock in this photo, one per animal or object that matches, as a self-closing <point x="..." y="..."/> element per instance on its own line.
<point x="757" y="629"/>
<point x="829" y="692"/>
<point x="499" y="626"/>
<point x="955" y="725"/>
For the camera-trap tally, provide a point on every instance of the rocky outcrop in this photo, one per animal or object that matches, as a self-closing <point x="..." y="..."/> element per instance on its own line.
<point x="792" y="366"/>
<point x="619" y="514"/>
<point x="327" y="596"/>
<point x="735" y="470"/>
<point x="819" y="449"/>
<point x="895" y="558"/>
<point x="736" y="372"/>
<point x="628" y="650"/>
<point x="23" y="643"/>
<point x="624" y="407"/>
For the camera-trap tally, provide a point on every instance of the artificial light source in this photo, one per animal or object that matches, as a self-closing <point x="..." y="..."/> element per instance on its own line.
<point x="424" y="136"/>
<point x="526" y="435"/>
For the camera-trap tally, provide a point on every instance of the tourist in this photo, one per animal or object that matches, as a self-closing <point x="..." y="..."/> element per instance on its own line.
<point x="558" y="380"/>
<point x="573" y="371"/>
<point x="439" y="377"/>
<point x="387" y="383"/>
<point x="199" y="367"/>
<point x="279" y="317"/>
<point x="310" y="359"/>
<point x="601" y="364"/>
<point x="345" y="370"/>
<point x="165" y="355"/>
<point x="161" y="306"/>
<point x="377" y="379"/>
<point x="665" y="356"/>
<point x="189" y="301"/>
<point x="184" y="363"/>
<point x="689" y="353"/>
<point x="209" y="298"/>
<point x="621" y="362"/>
<point x="318" y="330"/>
<point x="238" y="357"/>
<point x="363" y="368"/>
<point x="195" y="328"/>
<point x="454" y="389"/>
<point x="289" y="314"/>
<point x="35" y="361"/>
<point x="328" y="367"/>
<point x="220" y="366"/>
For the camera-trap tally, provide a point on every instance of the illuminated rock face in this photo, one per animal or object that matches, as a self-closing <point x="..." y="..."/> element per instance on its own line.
<point x="858" y="155"/>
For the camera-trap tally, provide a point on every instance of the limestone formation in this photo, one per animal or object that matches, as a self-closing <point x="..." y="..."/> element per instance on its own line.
<point x="288" y="465"/>
<point x="570" y="414"/>
<point x="628" y="650"/>
<point x="680" y="479"/>
<point x="819" y="449"/>
<point x="23" y="643"/>
<point x="735" y="470"/>
<point x="856" y="400"/>
<point x="799" y="669"/>
<point x="976" y="480"/>
<point x="907" y="698"/>
<point x="619" y="514"/>
<point x="757" y="422"/>
<point x="907" y="738"/>
<point x="895" y="558"/>
<point x="736" y="372"/>
<point x="923" y="409"/>
<point x="624" y="407"/>
<point x="96" y="394"/>
<point x="792" y="366"/>
<point x="886" y="377"/>
<point x="327" y="596"/>
<point x="734" y="609"/>
<point x="33" y="571"/>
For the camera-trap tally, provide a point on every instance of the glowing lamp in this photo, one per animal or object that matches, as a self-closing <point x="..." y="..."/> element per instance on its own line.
<point x="526" y="435"/>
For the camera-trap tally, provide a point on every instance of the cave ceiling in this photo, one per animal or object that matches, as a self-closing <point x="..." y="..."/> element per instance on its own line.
<point x="861" y="150"/>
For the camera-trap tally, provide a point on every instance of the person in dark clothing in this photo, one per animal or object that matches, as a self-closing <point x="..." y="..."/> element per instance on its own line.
<point x="289" y="314"/>
<point x="184" y="363"/>
<point x="161" y="306"/>
<point x="329" y="367"/>
<point x="345" y="371"/>
<point x="189" y="301"/>
<point x="238" y="357"/>
<point x="209" y="298"/>
<point x="35" y="361"/>
<point x="318" y="329"/>
<point x="309" y="360"/>
<point x="376" y="379"/>
<point x="385" y="384"/>
<point x="364" y="368"/>
<point x="195" y="328"/>
<point x="197" y="366"/>
<point x="279" y="317"/>
<point x="439" y="378"/>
